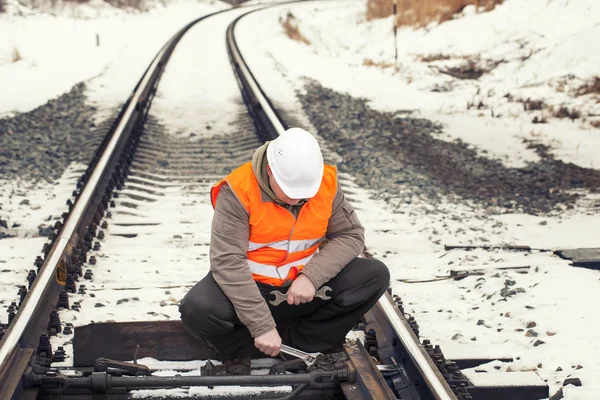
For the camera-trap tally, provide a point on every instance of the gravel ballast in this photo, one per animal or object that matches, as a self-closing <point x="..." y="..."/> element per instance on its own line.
<point x="40" y="144"/>
<point x="389" y="152"/>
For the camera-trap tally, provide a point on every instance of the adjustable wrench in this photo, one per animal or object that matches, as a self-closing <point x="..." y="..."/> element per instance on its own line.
<point x="280" y="297"/>
<point x="309" y="358"/>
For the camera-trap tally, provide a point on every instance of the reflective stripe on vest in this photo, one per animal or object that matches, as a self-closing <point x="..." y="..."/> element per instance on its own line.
<point x="294" y="245"/>
<point x="272" y="271"/>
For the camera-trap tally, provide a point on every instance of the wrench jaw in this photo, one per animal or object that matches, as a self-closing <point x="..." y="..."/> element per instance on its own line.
<point x="312" y="361"/>
<point x="281" y="297"/>
<point x="322" y="293"/>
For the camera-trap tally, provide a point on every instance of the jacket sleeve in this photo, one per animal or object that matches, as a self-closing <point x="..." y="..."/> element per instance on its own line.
<point x="229" y="265"/>
<point x="346" y="238"/>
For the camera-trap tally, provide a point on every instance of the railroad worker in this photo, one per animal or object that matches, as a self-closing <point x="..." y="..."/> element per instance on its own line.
<point x="271" y="215"/>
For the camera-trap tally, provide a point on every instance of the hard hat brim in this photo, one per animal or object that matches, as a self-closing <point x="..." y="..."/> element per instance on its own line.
<point x="303" y="192"/>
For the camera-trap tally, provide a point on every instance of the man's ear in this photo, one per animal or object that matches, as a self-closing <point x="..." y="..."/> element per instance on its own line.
<point x="269" y="170"/>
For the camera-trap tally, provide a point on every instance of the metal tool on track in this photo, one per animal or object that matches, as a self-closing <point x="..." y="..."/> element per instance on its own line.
<point x="280" y="297"/>
<point x="310" y="359"/>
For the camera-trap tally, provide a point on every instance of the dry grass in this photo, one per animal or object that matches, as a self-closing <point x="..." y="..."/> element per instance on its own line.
<point x="433" y="57"/>
<point x="423" y="12"/>
<point x="290" y="25"/>
<point x="16" y="56"/>
<point x="382" y="64"/>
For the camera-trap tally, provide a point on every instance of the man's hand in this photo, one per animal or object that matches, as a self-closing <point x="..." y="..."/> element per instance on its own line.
<point x="269" y="343"/>
<point x="301" y="291"/>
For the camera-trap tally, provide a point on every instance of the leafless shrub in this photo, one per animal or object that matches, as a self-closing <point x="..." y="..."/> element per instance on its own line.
<point x="290" y="25"/>
<point x="595" y="124"/>
<point x="469" y="70"/>
<point x="422" y="12"/>
<point x="2" y="6"/>
<point x="479" y="105"/>
<point x="540" y="120"/>
<point x="531" y="105"/>
<point x="591" y="87"/>
<point x="564" y="112"/>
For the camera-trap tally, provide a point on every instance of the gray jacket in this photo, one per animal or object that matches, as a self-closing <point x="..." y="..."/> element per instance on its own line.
<point x="229" y="245"/>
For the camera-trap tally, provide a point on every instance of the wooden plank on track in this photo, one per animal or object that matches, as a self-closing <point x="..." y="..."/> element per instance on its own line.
<point x="587" y="258"/>
<point x="507" y="385"/>
<point x="162" y="340"/>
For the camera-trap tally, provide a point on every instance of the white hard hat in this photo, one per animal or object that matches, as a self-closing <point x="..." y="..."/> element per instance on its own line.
<point x="296" y="163"/>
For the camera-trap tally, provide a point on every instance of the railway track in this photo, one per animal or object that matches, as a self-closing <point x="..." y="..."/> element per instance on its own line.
<point x="146" y="189"/>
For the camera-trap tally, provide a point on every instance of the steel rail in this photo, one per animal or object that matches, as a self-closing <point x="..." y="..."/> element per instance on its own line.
<point x="431" y="376"/>
<point x="20" y="340"/>
<point x="438" y="387"/>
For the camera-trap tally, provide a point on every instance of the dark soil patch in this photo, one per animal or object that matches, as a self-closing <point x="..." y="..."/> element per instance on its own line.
<point x="387" y="152"/>
<point x="40" y="144"/>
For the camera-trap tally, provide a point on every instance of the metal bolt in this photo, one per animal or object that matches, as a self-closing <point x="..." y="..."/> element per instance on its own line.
<point x="68" y="329"/>
<point x="59" y="355"/>
<point x="462" y="389"/>
<point x="39" y="261"/>
<point x="54" y="326"/>
<point x="70" y="285"/>
<point x="44" y="347"/>
<point x="13" y="307"/>
<point x="31" y="277"/>
<point x="22" y="294"/>
<point x="63" y="300"/>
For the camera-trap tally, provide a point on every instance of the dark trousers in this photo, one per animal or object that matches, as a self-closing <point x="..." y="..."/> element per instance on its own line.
<point x="319" y="325"/>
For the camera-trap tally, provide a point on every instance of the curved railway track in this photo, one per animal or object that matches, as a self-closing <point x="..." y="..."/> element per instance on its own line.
<point x="139" y="178"/>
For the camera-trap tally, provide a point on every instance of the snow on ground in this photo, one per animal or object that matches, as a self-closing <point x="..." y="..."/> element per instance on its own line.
<point x="30" y="207"/>
<point x="58" y="51"/>
<point x="552" y="294"/>
<point x="190" y="102"/>
<point x="548" y="301"/>
<point x="555" y="38"/>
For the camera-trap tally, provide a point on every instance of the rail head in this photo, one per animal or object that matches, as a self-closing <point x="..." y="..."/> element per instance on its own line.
<point x="439" y="389"/>
<point x="26" y="327"/>
<point x="434" y="381"/>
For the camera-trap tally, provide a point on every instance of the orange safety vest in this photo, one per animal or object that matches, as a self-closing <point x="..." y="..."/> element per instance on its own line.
<point x="280" y="244"/>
